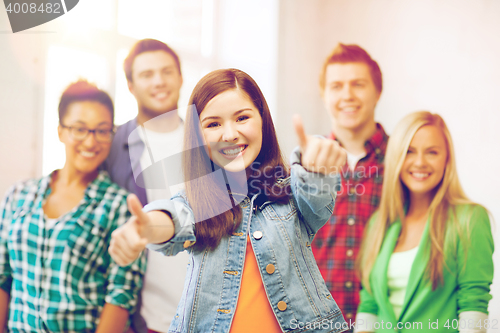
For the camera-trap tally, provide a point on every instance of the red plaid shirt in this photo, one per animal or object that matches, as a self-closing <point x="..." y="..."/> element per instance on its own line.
<point x="336" y="245"/>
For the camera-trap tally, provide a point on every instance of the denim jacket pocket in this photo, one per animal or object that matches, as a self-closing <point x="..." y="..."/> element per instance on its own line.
<point x="282" y="213"/>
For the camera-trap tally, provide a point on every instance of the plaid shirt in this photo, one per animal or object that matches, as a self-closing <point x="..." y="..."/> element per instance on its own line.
<point x="336" y="245"/>
<point x="59" y="278"/>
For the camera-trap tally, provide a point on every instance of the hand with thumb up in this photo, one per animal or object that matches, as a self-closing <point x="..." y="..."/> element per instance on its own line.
<point x="128" y="241"/>
<point x="318" y="154"/>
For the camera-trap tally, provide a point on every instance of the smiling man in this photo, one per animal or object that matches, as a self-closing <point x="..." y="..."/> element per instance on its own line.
<point x="154" y="78"/>
<point x="351" y="84"/>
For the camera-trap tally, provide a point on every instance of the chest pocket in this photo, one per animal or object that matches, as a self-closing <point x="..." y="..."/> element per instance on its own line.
<point x="282" y="212"/>
<point x="87" y="240"/>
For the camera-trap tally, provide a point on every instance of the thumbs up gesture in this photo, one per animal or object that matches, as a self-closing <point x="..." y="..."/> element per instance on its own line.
<point x="319" y="155"/>
<point x="128" y="241"/>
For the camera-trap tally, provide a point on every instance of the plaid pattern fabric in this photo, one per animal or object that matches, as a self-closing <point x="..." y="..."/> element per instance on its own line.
<point x="336" y="245"/>
<point x="59" y="278"/>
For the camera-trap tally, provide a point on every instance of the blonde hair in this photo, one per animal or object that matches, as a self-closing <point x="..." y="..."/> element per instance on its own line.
<point x="448" y="194"/>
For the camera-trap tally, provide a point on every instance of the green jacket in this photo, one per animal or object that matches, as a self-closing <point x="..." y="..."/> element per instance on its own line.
<point x="466" y="286"/>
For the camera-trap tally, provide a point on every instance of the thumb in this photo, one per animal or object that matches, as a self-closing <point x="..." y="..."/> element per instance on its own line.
<point x="135" y="208"/>
<point x="299" y="129"/>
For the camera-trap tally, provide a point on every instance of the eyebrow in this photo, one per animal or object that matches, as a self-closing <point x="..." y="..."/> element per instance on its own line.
<point x="84" y="123"/>
<point x="431" y="147"/>
<point x="353" y="80"/>
<point x="234" y="114"/>
<point x="154" y="69"/>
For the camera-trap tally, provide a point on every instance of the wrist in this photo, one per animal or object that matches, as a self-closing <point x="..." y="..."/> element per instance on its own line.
<point x="160" y="229"/>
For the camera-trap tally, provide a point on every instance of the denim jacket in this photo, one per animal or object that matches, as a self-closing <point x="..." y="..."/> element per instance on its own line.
<point x="281" y="235"/>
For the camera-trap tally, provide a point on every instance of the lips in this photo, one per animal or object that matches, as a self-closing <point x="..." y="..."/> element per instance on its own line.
<point x="87" y="154"/>
<point x="420" y="175"/>
<point x="160" y="95"/>
<point x="232" y="151"/>
<point x="349" y="109"/>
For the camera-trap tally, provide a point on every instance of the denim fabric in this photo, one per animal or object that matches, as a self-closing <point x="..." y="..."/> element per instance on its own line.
<point x="280" y="235"/>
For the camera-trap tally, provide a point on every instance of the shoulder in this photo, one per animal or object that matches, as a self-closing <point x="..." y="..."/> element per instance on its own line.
<point x="127" y="128"/>
<point x="25" y="190"/>
<point x="473" y="211"/>
<point x="468" y="222"/>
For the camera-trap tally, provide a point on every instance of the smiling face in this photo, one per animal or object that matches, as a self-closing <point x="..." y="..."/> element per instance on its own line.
<point x="425" y="162"/>
<point x="85" y="156"/>
<point x="350" y="96"/>
<point x="156" y="83"/>
<point x="232" y="127"/>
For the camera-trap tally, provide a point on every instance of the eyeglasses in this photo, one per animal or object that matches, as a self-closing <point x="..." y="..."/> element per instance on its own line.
<point x="101" y="135"/>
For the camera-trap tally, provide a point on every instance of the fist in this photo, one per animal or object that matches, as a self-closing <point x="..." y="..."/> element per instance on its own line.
<point x="128" y="241"/>
<point x="319" y="155"/>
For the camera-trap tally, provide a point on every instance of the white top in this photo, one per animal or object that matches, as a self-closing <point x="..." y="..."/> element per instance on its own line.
<point x="164" y="278"/>
<point x="50" y="222"/>
<point x="398" y="274"/>
<point x="352" y="160"/>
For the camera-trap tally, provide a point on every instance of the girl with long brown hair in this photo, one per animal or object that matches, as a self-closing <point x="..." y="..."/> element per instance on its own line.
<point x="246" y="220"/>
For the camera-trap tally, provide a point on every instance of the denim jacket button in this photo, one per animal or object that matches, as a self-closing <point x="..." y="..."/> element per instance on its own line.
<point x="270" y="269"/>
<point x="257" y="235"/>
<point x="281" y="306"/>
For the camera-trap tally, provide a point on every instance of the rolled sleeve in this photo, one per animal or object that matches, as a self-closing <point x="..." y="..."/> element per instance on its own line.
<point x="315" y="193"/>
<point x="475" y="273"/>
<point x="183" y="219"/>
<point x="5" y="221"/>
<point x="367" y="303"/>
<point x="125" y="283"/>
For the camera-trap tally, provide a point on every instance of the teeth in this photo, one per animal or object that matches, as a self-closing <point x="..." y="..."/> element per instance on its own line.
<point x="233" y="151"/>
<point x="87" y="153"/>
<point x="349" y="109"/>
<point x="161" y="95"/>
<point x="420" y="175"/>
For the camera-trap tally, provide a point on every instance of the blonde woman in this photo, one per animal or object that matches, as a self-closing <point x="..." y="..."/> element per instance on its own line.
<point x="426" y="259"/>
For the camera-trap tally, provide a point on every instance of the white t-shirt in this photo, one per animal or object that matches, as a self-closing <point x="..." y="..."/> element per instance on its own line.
<point x="398" y="275"/>
<point x="164" y="278"/>
<point x="352" y="160"/>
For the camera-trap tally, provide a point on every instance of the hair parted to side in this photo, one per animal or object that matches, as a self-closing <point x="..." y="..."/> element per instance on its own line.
<point x="147" y="45"/>
<point x="81" y="91"/>
<point x="205" y="193"/>
<point x="448" y="194"/>
<point x="343" y="54"/>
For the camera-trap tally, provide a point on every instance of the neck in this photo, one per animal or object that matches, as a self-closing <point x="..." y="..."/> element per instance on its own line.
<point x="168" y="121"/>
<point x="72" y="178"/>
<point x="419" y="204"/>
<point x="354" y="140"/>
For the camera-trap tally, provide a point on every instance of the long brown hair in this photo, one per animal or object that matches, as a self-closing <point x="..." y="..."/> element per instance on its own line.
<point x="207" y="196"/>
<point x="448" y="194"/>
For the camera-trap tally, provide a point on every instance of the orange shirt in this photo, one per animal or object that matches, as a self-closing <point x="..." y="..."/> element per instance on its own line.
<point x="253" y="311"/>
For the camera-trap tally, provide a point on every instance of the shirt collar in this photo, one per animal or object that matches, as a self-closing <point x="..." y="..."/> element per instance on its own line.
<point x="375" y="142"/>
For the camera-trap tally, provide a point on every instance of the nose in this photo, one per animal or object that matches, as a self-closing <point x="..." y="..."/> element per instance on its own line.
<point x="159" y="79"/>
<point x="90" y="140"/>
<point x="420" y="160"/>
<point x="347" y="92"/>
<point x="230" y="133"/>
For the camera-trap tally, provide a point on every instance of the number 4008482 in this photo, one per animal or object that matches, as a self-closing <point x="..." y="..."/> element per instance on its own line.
<point x="26" y="8"/>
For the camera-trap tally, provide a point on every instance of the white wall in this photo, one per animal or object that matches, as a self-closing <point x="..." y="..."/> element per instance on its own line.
<point x="441" y="56"/>
<point x="21" y="105"/>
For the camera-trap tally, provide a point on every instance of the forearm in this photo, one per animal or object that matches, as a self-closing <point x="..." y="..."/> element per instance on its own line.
<point x="113" y="319"/>
<point x="161" y="228"/>
<point x="4" y="309"/>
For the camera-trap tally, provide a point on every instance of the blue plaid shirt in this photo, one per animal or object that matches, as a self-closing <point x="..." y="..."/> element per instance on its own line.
<point x="60" y="277"/>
